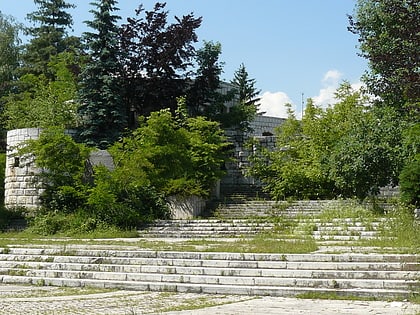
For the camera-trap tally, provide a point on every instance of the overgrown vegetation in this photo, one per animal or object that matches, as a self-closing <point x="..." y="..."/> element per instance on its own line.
<point x="167" y="155"/>
<point x="337" y="152"/>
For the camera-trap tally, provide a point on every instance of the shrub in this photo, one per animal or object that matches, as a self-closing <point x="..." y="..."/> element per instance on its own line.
<point x="410" y="182"/>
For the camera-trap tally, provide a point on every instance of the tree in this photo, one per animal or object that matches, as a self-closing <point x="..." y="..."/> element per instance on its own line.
<point x="62" y="169"/>
<point x="389" y="38"/>
<point x="173" y="154"/>
<point x="102" y="110"/>
<point x="45" y="103"/>
<point x="205" y="96"/>
<point x="347" y="150"/>
<point x="410" y="174"/>
<point x="9" y="53"/>
<point x="157" y="57"/>
<point x="246" y="98"/>
<point x="49" y="35"/>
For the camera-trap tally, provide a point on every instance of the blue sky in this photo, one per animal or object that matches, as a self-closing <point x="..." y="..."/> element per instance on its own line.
<point x="289" y="46"/>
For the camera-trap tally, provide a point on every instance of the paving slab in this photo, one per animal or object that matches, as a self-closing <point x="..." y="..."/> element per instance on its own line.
<point x="17" y="300"/>
<point x="287" y="306"/>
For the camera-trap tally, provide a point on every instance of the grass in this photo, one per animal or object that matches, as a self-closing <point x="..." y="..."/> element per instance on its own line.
<point x="264" y="243"/>
<point x="204" y="301"/>
<point x="397" y="233"/>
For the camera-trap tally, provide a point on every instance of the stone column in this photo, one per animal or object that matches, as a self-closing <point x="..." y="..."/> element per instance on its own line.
<point x="21" y="186"/>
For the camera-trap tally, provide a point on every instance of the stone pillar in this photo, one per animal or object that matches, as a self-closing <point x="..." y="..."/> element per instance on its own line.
<point x="21" y="186"/>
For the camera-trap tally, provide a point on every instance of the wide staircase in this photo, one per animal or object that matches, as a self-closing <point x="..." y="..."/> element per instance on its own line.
<point x="335" y="268"/>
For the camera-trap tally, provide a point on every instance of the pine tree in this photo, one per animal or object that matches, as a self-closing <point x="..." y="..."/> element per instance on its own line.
<point x="246" y="107"/>
<point x="49" y="35"/>
<point x="245" y="87"/>
<point x="101" y="107"/>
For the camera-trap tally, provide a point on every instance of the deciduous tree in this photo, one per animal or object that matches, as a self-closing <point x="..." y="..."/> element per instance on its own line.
<point x="389" y="37"/>
<point x="157" y="58"/>
<point x="9" y="53"/>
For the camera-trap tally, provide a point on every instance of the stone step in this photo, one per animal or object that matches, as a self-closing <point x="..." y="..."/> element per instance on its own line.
<point x="337" y="283"/>
<point x="217" y="272"/>
<point x="206" y="288"/>
<point x="80" y="251"/>
<point x="18" y="267"/>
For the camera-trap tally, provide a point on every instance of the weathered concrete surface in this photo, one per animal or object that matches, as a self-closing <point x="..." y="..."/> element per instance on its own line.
<point x="17" y="300"/>
<point x="287" y="306"/>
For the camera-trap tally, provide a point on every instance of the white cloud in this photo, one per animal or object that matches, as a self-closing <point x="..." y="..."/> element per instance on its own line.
<point x="330" y="82"/>
<point x="273" y="104"/>
<point x="332" y="77"/>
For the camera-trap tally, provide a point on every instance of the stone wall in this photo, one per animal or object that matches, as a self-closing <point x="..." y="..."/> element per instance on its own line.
<point x="21" y="187"/>
<point x="182" y="208"/>
<point x="263" y="131"/>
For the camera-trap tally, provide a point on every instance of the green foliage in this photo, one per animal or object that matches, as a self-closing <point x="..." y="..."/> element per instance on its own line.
<point x="410" y="182"/>
<point x="102" y="110"/>
<point x="347" y="150"/>
<point x="368" y="156"/>
<point x="62" y="164"/>
<point x="173" y="154"/>
<point x="388" y="35"/>
<point x="49" y="36"/>
<point x="9" y="53"/>
<point x="118" y="202"/>
<point x="246" y="95"/>
<point x="205" y="96"/>
<point x="410" y="174"/>
<point x="45" y="103"/>
<point x="2" y="175"/>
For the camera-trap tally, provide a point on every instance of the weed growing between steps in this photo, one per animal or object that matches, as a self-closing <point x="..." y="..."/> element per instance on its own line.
<point x="397" y="230"/>
<point x="266" y="243"/>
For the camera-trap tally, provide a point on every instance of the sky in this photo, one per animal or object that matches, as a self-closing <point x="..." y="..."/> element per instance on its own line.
<point x="294" y="49"/>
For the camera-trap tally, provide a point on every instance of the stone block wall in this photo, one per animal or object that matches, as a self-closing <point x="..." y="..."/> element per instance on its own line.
<point x="182" y="208"/>
<point x="21" y="187"/>
<point x="263" y="131"/>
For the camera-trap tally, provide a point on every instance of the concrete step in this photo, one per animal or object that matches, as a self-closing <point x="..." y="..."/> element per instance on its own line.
<point x="19" y="267"/>
<point x="342" y="283"/>
<point x="206" y="288"/>
<point x="80" y="251"/>
<point x="228" y="273"/>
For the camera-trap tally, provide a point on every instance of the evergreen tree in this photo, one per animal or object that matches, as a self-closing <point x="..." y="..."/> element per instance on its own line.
<point x="49" y="35"/>
<point x="245" y="87"/>
<point x="246" y="108"/>
<point x="101" y="106"/>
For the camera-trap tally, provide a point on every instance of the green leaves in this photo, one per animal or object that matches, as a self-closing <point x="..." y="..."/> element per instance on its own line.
<point x="347" y="150"/>
<point x="45" y="103"/>
<point x="389" y="36"/>
<point x="173" y="154"/>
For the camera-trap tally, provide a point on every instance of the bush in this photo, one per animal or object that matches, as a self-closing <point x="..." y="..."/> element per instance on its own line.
<point x="410" y="182"/>
<point x="124" y="206"/>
